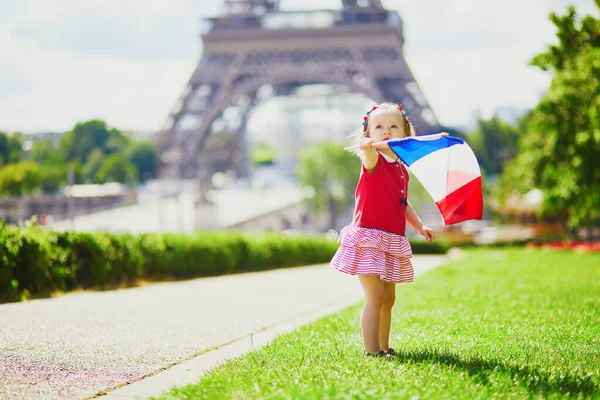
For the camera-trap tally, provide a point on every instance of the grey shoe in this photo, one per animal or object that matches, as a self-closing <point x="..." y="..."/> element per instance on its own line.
<point x="382" y="353"/>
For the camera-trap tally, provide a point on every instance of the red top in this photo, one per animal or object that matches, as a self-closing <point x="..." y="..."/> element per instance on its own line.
<point x="382" y="197"/>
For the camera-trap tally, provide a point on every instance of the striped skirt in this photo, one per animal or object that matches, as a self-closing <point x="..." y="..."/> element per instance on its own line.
<point x="367" y="251"/>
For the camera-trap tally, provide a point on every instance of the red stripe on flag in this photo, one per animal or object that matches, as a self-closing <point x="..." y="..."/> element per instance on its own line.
<point x="463" y="204"/>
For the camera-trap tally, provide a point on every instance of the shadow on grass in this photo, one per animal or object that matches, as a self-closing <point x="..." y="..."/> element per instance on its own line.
<point x="481" y="370"/>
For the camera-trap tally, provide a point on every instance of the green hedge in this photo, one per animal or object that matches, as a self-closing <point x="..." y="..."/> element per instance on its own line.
<point x="34" y="262"/>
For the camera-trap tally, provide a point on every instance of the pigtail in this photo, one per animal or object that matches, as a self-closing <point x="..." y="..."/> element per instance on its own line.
<point x="409" y="130"/>
<point x="358" y="135"/>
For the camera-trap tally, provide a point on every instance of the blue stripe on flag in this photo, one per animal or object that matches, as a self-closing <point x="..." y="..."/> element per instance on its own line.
<point x="412" y="149"/>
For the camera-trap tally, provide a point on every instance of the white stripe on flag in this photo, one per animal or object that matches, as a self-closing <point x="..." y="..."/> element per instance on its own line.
<point x="432" y="170"/>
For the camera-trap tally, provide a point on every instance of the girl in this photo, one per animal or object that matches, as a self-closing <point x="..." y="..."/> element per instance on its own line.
<point x="374" y="245"/>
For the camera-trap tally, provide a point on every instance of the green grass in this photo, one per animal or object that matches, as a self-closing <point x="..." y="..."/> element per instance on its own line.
<point x="507" y="324"/>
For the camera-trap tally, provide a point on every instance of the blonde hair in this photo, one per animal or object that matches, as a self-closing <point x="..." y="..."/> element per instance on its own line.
<point x="361" y="133"/>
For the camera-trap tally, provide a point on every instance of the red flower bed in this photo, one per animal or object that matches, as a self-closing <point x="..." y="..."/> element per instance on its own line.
<point x="586" y="247"/>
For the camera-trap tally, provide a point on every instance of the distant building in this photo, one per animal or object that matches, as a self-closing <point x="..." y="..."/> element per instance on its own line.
<point x="54" y="137"/>
<point x="510" y="115"/>
<point x="140" y="135"/>
<point x="28" y="139"/>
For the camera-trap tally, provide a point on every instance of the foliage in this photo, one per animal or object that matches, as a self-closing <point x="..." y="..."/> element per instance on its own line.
<point x="10" y="149"/>
<point x="96" y="154"/>
<point x="78" y="174"/>
<point x="560" y="149"/>
<point x="144" y="156"/>
<point x="78" y="143"/>
<point x="331" y="173"/>
<point x="95" y="161"/>
<point x="27" y="177"/>
<point x="44" y="152"/>
<point x="54" y="178"/>
<point x="85" y="137"/>
<point x="494" y="142"/>
<point x="34" y="262"/>
<point x="576" y="37"/>
<point x="116" y="168"/>
<point x="21" y="178"/>
<point x="117" y="142"/>
<point x="263" y="154"/>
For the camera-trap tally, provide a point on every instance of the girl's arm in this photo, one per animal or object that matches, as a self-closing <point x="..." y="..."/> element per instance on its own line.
<point x="369" y="157"/>
<point x="413" y="219"/>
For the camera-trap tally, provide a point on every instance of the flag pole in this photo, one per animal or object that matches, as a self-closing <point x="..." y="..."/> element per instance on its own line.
<point x="377" y="145"/>
<point x="380" y="145"/>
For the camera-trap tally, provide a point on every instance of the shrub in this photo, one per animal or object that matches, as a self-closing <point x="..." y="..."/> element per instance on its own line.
<point x="34" y="262"/>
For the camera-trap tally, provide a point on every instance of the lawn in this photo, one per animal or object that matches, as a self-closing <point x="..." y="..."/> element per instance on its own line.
<point x="495" y="324"/>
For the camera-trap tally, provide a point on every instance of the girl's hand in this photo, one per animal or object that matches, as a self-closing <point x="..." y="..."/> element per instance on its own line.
<point x="366" y="143"/>
<point x="427" y="233"/>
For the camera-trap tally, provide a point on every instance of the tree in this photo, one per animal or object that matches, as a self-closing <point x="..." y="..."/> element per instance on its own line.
<point x="117" y="142"/>
<point x="85" y="137"/>
<point x="78" y="143"/>
<point x="332" y="174"/>
<point x="54" y="177"/>
<point x="116" y="168"/>
<point x="21" y="178"/>
<point x="43" y="152"/>
<point x="10" y="149"/>
<point x="560" y="149"/>
<point x="494" y="142"/>
<point x="143" y="155"/>
<point x="25" y="177"/>
<point x="89" y="170"/>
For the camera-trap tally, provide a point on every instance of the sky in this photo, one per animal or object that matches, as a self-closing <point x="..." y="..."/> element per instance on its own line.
<point x="128" y="61"/>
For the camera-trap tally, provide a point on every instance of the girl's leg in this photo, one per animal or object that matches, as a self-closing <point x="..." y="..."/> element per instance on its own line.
<point x="370" y="316"/>
<point x="385" y="319"/>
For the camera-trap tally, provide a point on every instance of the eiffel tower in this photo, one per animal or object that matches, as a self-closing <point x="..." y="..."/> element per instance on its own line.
<point x="254" y="51"/>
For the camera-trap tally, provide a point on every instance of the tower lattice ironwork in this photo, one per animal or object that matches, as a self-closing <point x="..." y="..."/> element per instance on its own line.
<point x="253" y="45"/>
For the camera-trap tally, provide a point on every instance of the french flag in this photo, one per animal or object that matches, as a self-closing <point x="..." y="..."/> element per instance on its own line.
<point x="448" y="169"/>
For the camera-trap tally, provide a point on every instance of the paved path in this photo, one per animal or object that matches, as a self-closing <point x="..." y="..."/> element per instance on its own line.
<point x="81" y="344"/>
